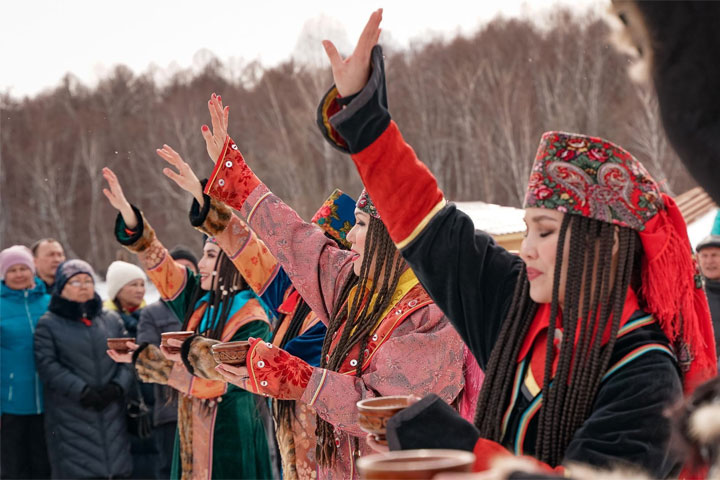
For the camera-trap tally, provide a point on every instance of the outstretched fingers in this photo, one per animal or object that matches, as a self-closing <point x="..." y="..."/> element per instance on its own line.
<point x="371" y="33"/>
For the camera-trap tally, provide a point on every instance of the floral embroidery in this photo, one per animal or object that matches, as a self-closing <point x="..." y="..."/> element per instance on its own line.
<point x="276" y="373"/>
<point x="336" y="216"/>
<point x="592" y="177"/>
<point x="366" y="205"/>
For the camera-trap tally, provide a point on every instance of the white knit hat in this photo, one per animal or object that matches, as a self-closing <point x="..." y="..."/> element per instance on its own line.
<point x="120" y="274"/>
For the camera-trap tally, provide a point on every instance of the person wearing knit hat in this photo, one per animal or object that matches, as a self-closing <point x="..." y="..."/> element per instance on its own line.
<point x="185" y="256"/>
<point x="16" y="255"/>
<point x="23" y="301"/>
<point x="84" y="389"/>
<point x="586" y="337"/>
<point x="708" y="254"/>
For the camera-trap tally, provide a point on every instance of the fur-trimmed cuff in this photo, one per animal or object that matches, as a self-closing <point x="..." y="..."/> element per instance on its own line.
<point x="152" y="366"/>
<point x="137" y="352"/>
<point x="198" y="359"/>
<point x="141" y="237"/>
<point x="213" y="218"/>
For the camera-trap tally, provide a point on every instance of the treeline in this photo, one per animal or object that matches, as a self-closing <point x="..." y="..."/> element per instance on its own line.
<point x="473" y="109"/>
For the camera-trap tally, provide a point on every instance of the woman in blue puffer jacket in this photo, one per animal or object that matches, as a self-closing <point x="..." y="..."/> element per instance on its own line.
<point x="23" y="453"/>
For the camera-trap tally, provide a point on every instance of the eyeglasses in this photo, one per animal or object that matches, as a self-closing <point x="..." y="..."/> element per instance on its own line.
<point x="78" y="283"/>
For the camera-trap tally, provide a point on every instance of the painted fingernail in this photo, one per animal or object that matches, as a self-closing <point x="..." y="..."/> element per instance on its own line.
<point x="205" y="128"/>
<point x="219" y="98"/>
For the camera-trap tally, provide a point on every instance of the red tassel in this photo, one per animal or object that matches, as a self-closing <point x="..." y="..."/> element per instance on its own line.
<point x="668" y="287"/>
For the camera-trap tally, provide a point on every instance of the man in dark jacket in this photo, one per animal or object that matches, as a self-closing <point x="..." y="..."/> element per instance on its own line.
<point x="708" y="252"/>
<point x="84" y="389"/>
<point x="48" y="253"/>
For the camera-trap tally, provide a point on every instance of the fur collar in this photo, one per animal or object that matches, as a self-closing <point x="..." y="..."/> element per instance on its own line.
<point x="75" y="310"/>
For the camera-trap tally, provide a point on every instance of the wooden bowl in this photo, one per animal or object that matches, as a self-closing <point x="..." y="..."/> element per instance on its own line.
<point x="374" y="413"/>
<point x="181" y="335"/>
<point x="231" y="353"/>
<point x="118" y="344"/>
<point x="415" y="464"/>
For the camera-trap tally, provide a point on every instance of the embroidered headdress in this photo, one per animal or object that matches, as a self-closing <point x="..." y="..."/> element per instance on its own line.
<point x="593" y="177"/>
<point x="365" y="204"/>
<point x="336" y="216"/>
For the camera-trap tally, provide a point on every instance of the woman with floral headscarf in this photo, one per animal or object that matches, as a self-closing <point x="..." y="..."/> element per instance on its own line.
<point x="586" y="337"/>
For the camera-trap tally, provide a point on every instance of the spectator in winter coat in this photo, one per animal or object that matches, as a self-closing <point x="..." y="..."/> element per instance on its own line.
<point x="23" y="300"/>
<point x="708" y="253"/>
<point x="155" y="319"/>
<point x="48" y="254"/>
<point x="126" y="296"/>
<point x="84" y="408"/>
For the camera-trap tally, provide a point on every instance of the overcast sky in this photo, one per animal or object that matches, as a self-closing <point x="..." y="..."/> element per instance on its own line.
<point x="42" y="40"/>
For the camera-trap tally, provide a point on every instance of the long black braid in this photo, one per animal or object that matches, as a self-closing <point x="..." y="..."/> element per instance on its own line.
<point x="595" y="293"/>
<point x="359" y="318"/>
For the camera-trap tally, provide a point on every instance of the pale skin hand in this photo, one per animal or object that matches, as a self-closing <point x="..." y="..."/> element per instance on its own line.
<point x="124" y="357"/>
<point x="370" y="439"/>
<point x="236" y="375"/>
<point x="184" y="177"/>
<point x="117" y="199"/>
<point x="215" y="140"/>
<point x="352" y="73"/>
<point x="173" y="357"/>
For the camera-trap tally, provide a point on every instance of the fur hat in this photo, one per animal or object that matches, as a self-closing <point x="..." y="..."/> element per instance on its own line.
<point x="120" y="274"/>
<point x="16" y="255"/>
<point x="69" y="269"/>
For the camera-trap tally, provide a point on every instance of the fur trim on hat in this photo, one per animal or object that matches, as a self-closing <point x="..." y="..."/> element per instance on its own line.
<point x="120" y="274"/>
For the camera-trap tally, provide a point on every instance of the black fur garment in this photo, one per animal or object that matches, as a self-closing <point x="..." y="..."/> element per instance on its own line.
<point x="678" y="43"/>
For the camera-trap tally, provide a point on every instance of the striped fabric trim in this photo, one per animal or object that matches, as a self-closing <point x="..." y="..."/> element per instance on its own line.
<point x="421" y="226"/>
<point x="320" y="386"/>
<point x="635" y="324"/>
<point x="252" y="210"/>
<point x="638" y="352"/>
<point x="527" y="416"/>
<point x="516" y="389"/>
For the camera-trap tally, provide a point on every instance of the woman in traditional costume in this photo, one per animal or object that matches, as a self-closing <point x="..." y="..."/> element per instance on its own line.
<point x="298" y="330"/>
<point x="384" y="337"/>
<point x="221" y="432"/>
<point x="587" y="336"/>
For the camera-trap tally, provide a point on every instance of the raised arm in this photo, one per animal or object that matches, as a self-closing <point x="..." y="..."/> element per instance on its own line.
<point x="174" y="281"/>
<point x="247" y="252"/>
<point x="469" y="277"/>
<point x="315" y="265"/>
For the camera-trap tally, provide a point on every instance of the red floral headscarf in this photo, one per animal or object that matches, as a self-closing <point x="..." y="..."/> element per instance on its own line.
<point x="595" y="178"/>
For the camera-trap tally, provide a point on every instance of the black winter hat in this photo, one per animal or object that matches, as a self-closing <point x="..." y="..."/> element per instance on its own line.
<point x="181" y="252"/>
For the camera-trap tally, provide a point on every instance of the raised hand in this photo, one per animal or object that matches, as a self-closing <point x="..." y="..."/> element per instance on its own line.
<point x="352" y="73"/>
<point x="215" y="140"/>
<point x="117" y="199"/>
<point x="184" y="177"/>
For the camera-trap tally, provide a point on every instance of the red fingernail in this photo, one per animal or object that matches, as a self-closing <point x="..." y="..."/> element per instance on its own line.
<point x="205" y="128"/>
<point x="219" y="98"/>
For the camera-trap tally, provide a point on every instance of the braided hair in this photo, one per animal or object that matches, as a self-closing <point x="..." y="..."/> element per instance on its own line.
<point x="228" y="283"/>
<point x="358" y="317"/>
<point x="595" y="293"/>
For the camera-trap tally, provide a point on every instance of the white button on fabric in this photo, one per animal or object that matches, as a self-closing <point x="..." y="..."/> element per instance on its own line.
<point x="268" y="344"/>
<point x="233" y="146"/>
<point x="221" y="182"/>
<point x="261" y="364"/>
<point x="375" y="337"/>
<point x="412" y="303"/>
<point x="228" y="164"/>
<point x="353" y="363"/>
<point x="263" y="383"/>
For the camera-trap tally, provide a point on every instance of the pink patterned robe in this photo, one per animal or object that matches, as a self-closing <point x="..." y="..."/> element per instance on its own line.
<point x="420" y="354"/>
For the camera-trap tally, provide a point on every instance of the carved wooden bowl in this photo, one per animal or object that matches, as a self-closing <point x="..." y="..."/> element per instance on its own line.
<point x="181" y="335"/>
<point x="231" y="353"/>
<point x="414" y="464"/>
<point x="118" y="344"/>
<point x="374" y="413"/>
